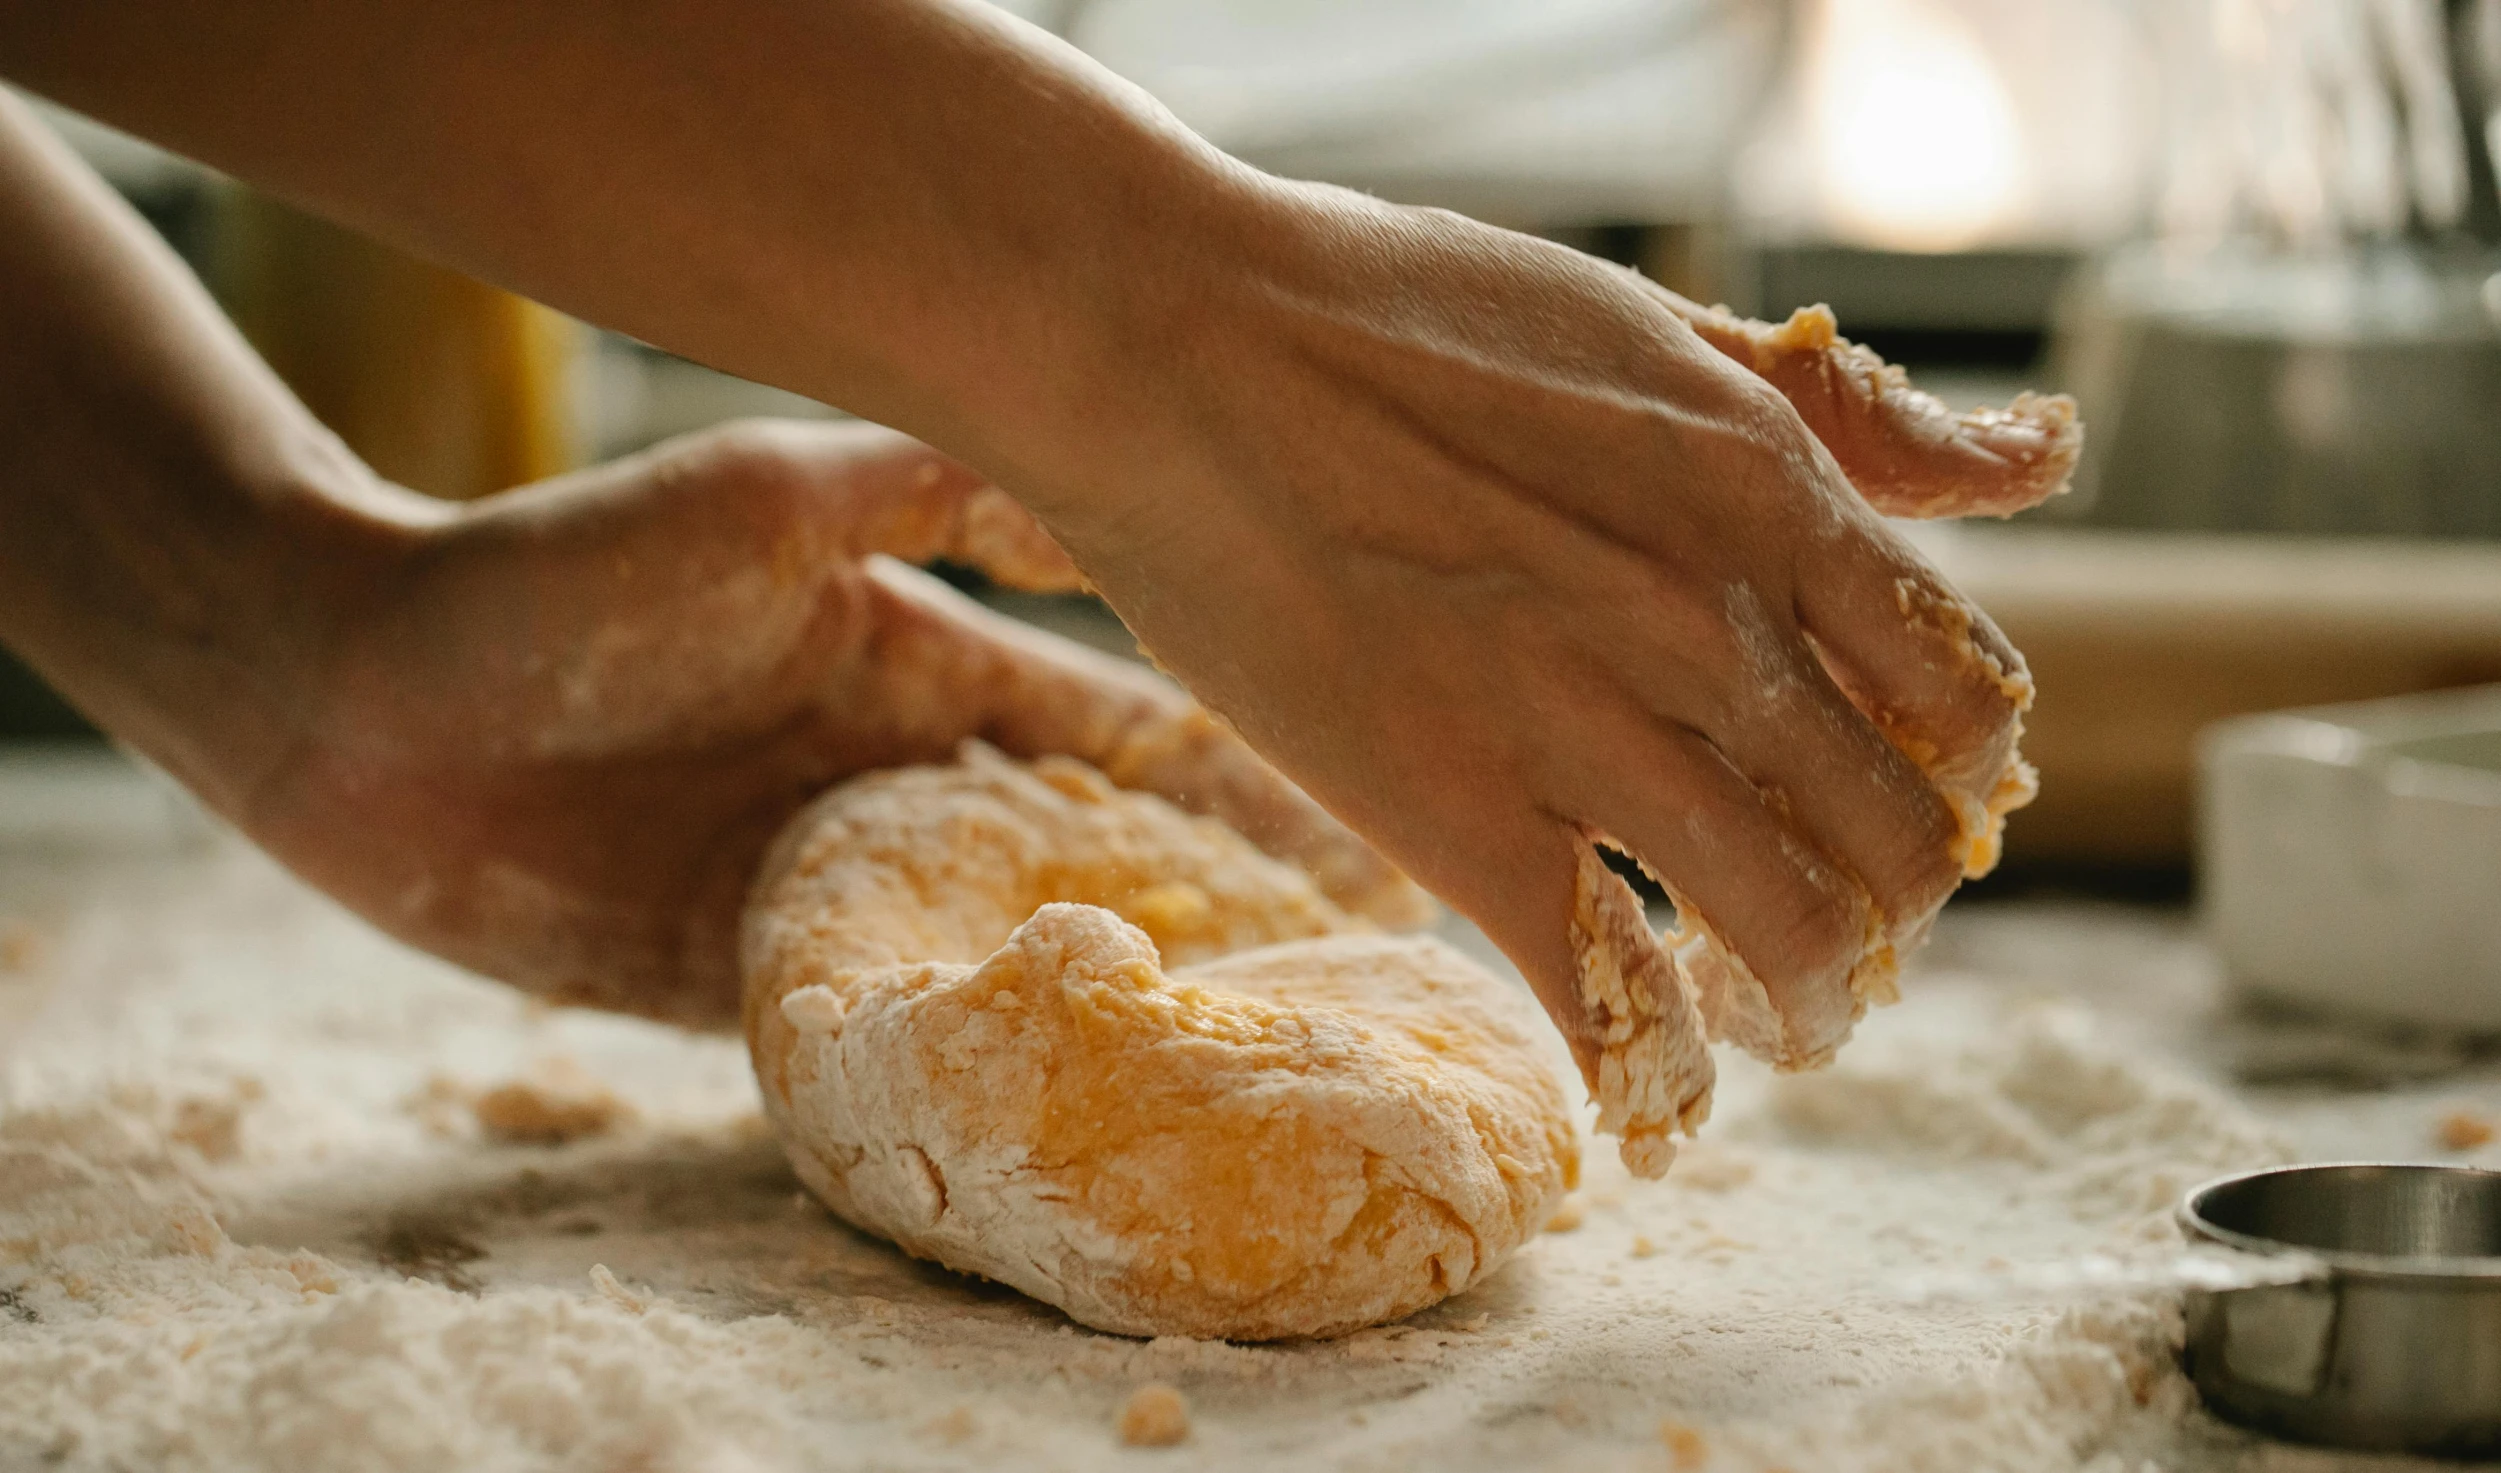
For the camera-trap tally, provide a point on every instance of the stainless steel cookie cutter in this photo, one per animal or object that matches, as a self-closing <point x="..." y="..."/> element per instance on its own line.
<point x="2387" y="1332"/>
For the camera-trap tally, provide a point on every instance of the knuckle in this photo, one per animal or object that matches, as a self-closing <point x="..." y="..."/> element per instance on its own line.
<point x="1917" y="866"/>
<point x="1931" y="871"/>
<point x="741" y="439"/>
<point x="743" y="455"/>
<point x="1818" y="922"/>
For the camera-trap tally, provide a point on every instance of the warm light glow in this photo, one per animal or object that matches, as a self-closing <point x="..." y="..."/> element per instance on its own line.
<point x="1915" y="141"/>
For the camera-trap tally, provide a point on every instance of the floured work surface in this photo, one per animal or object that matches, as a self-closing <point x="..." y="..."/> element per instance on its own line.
<point x="274" y="1192"/>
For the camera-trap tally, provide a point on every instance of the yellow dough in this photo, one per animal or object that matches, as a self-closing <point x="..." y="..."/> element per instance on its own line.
<point x="959" y="1009"/>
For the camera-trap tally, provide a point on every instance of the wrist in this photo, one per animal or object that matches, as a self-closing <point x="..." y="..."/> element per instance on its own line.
<point x="321" y="546"/>
<point x="1165" y="310"/>
<point x="193" y="615"/>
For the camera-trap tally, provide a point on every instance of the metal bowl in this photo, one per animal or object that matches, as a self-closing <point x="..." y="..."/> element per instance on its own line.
<point x="2389" y="1338"/>
<point x="2245" y="390"/>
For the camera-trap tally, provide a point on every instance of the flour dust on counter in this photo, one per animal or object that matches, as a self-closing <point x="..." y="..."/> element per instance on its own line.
<point x="250" y="1218"/>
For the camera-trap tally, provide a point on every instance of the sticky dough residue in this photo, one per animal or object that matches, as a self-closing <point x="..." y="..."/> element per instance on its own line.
<point x="1991" y="779"/>
<point x="1907" y="454"/>
<point x="1654" y="1073"/>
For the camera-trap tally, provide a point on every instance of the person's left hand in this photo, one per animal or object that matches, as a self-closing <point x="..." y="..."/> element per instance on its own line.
<point x="553" y="735"/>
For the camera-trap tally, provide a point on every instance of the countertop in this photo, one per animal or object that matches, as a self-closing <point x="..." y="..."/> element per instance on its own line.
<point x="248" y="1217"/>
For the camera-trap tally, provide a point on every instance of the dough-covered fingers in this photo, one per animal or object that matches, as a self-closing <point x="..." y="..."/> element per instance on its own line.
<point x="1794" y="835"/>
<point x="1652" y="1075"/>
<point x="972" y="672"/>
<point x="1935" y="676"/>
<point x="1749" y="883"/>
<point x="1835" y="781"/>
<point x="1578" y="934"/>
<point x="1903" y="449"/>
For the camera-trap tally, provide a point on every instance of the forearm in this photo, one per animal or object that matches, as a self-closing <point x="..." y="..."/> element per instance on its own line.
<point x="174" y="529"/>
<point x="917" y="209"/>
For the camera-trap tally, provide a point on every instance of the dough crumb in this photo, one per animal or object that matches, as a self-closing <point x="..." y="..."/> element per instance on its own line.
<point x="1155" y="1416"/>
<point x="1643" y="1247"/>
<point x="190" y="1229"/>
<point x="955" y="1428"/>
<point x="440" y="1105"/>
<point x="1569" y="1214"/>
<point x="1686" y="1449"/>
<point x="1173" y="908"/>
<point x="612" y="1288"/>
<point x="2464" y="1130"/>
<point x="1391" y="1343"/>
<point x="312" y="1274"/>
<point x="556" y="1102"/>
<point x="212" y="1127"/>
<point x="816" y="1009"/>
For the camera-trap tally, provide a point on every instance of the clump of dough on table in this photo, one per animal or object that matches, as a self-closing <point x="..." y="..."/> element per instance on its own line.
<point x="1073" y="1039"/>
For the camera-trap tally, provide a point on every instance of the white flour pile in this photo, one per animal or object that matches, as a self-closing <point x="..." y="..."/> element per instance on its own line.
<point x="248" y="1219"/>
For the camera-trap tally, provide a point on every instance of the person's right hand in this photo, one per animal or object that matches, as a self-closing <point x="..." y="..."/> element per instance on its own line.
<point x="1481" y="543"/>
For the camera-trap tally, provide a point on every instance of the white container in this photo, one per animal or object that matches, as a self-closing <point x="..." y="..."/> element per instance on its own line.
<point x="2351" y="856"/>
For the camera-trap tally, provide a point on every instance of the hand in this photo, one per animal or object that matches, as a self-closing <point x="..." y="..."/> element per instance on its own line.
<point x="1484" y="546"/>
<point x="552" y="738"/>
<point x="1474" y="536"/>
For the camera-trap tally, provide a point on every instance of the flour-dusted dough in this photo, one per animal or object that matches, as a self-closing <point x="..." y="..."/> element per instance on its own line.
<point x="959" y="1010"/>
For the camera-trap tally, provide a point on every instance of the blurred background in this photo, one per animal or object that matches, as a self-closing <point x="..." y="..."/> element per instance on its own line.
<point x="2257" y="238"/>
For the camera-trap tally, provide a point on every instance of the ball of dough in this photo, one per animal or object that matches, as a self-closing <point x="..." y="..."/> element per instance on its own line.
<point x="959" y="1009"/>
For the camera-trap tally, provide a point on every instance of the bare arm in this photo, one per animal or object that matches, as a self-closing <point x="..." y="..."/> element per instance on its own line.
<point x="1473" y="536"/>
<point x="917" y="209"/>
<point x="546" y="735"/>
<point x="178" y="531"/>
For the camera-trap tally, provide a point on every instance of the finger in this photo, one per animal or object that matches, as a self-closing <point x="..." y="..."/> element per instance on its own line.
<point x="1904" y="450"/>
<point x="1933" y="674"/>
<point x="1654" y="1070"/>
<point x="1537" y="888"/>
<point x="880" y="491"/>
<point x="955" y="667"/>
<point x="1829" y="774"/>
<point x="1789" y="926"/>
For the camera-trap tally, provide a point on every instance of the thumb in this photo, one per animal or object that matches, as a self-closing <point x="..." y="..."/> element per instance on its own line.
<point x="1903" y="449"/>
<point x="880" y="491"/>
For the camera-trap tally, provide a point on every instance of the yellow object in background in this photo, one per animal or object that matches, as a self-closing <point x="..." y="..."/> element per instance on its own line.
<point x="442" y="383"/>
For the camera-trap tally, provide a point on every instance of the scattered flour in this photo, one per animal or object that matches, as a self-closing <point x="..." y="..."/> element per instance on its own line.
<point x="230" y="1238"/>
